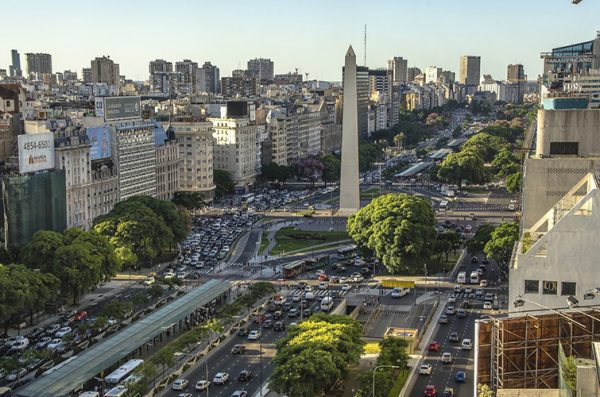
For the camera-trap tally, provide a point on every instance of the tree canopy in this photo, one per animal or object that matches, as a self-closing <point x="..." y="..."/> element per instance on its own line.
<point x="502" y="241"/>
<point x="315" y="354"/>
<point x="332" y="168"/>
<point x="223" y="183"/>
<point x="486" y="145"/>
<point x="398" y="228"/>
<point x="465" y="165"/>
<point x="479" y="240"/>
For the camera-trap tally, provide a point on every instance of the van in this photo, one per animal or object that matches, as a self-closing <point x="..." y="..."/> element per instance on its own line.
<point x="399" y="292"/>
<point x="326" y="303"/>
<point x="474" y="278"/>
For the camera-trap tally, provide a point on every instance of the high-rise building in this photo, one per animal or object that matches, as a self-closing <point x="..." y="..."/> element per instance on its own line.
<point x="411" y="73"/>
<point x="433" y="74"/>
<point x="86" y="75"/>
<point x="105" y="70"/>
<point x="470" y="72"/>
<point x="515" y="73"/>
<point x="195" y="140"/>
<point x="349" y="184"/>
<point x="168" y="162"/>
<point x="261" y="68"/>
<point x="15" y="68"/>
<point x="188" y="70"/>
<point x="38" y="64"/>
<point x="380" y="80"/>
<point x="160" y="65"/>
<point x="239" y="85"/>
<point x="235" y="146"/>
<point x="209" y="79"/>
<point x="399" y="68"/>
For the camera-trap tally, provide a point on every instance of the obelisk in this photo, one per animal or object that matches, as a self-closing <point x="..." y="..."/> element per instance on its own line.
<point x="349" y="189"/>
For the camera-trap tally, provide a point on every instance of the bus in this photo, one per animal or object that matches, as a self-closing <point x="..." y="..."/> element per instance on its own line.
<point x="118" y="391"/>
<point x="316" y="262"/>
<point x="123" y="371"/>
<point x="247" y="198"/>
<point x="474" y="278"/>
<point x="461" y="278"/>
<point x="444" y="204"/>
<point x="293" y="269"/>
<point x="347" y="251"/>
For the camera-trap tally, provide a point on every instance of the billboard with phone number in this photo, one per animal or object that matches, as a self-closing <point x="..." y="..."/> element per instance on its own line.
<point x="36" y="152"/>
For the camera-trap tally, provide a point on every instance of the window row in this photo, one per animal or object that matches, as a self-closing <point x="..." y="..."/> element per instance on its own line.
<point x="550" y="287"/>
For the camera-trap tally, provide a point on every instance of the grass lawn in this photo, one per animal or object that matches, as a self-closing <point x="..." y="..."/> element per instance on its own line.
<point x="285" y="242"/>
<point x="264" y="241"/>
<point x="475" y="190"/>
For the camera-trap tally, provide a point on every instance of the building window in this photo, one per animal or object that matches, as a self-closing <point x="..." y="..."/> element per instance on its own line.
<point x="567" y="288"/>
<point x="564" y="148"/>
<point x="549" y="287"/>
<point x="532" y="286"/>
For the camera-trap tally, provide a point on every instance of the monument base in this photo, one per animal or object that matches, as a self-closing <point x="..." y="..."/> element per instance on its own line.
<point x="346" y="211"/>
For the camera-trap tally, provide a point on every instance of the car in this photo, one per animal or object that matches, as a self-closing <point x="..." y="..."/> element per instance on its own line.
<point x="286" y="306"/>
<point x="293" y="313"/>
<point x="202" y="385"/>
<point x="448" y="392"/>
<point x="430" y="391"/>
<point x="238" y="349"/>
<point x="434" y="346"/>
<point x="457" y="288"/>
<point x="280" y="300"/>
<point x="240" y="393"/>
<point x="53" y="343"/>
<point x="489" y="296"/>
<point x="185" y="395"/>
<point x="267" y="323"/>
<point x="425" y="369"/>
<point x="278" y="315"/>
<point x="43" y="342"/>
<point x="468" y="290"/>
<point x="461" y="377"/>
<point x="323" y="285"/>
<point x="453" y="337"/>
<point x="253" y="335"/>
<point x="446" y="358"/>
<point x="452" y="299"/>
<point x="461" y="313"/>
<point x="346" y="287"/>
<point x="279" y="326"/>
<point x="220" y="378"/>
<point x="474" y="260"/>
<point x="149" y="281"/>
<point x="243" y="332"/>
<point x="443" y="319"/>
<point x="479" y="271"/>
<point x="487" y="305"/>
<point x="479" y="292"/>
<point x="245" y="376"/>
<point x="82" y="315"/>
<point x="61" y="333"/>
<point x="466" y="344"/>
<point x="52" y="329"/>
<point x="450" y="310"/>
<point x="16" y="374"/>
<point x="483" y="283"/>
<point x="169" y="275"/>
<point x="180" y="384"/>
<point x="296" y="298"/>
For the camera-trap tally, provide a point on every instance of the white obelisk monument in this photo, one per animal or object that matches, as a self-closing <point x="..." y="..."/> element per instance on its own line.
<point x="349" y="188"/>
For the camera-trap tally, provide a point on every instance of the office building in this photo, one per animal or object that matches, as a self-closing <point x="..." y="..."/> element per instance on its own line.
<point x="38" y="64"/>
<point x="195" y="141"/>
<point x="15" y="67"/>
<point x="399" y="69"/>
<point x="261" y="68"/>
<point x="470" y="72"/>
<point x="72" y="154"/>
<point x="208" y="79"/>
<point x="105" y="70"/>
<point x="515" y="73"/>
<point x="235" y="144"/>
<point x="433" y="75"/>
<point x="380" y="81"/>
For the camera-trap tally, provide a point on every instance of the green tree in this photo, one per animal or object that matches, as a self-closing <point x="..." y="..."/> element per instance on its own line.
<point x="505" y="163"/>
<point x="398" y="228"/>
<point x="486" y="145"/>
<point x="38" y="253"/>
<point x="457" y="131"/>
<point x="189" y="200"/>
<point x="331" y="172"/>
<point x="81" y="268"/>
<point x="275" y="172"/>
<point x="399" y="139"/>
<point x="465" y="165"/>
<point x="512" y="183"/>
<point x="368" y="154"/>
<point x="483" y="234"/>
<point x="569" y="367"/>
<point x="502" y="242"/>
<point x="155" y="291"/>
<point x="484" y="390"/>
<point x="223" y="182"/>
<point x="445" y="243"/>
<point x="117" y="309"/>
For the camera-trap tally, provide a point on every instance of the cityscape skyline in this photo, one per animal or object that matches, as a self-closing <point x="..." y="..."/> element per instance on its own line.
<point x="181" y="37"/>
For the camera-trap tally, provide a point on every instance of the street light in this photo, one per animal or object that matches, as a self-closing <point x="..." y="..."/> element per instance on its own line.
<point x="376" y="368"/>
<point x="520" y="301"/>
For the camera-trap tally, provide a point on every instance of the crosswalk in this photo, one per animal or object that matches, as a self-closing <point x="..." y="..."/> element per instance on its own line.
<point x="318" y="293"/>
<point x="478" y="207"/>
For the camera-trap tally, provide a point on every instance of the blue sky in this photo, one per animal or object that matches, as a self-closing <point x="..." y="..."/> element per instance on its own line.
<point x="311" y="35"/>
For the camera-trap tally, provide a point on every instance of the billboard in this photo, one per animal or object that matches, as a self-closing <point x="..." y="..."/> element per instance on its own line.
<point x="122" y="107"/>
<point x="100" y="141"/>
<point x="36" y="152"/>
<point x="99" y="106"/>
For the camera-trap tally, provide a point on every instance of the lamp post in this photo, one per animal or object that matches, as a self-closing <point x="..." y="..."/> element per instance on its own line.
<point x="375" y="370"/>
<point x="520" y="301"/>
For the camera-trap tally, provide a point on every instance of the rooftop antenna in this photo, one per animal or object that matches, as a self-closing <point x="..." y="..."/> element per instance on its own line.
<point x="365" y="47"/>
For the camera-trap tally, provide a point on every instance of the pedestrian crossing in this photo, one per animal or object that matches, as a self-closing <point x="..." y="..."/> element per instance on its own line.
<point x="319" y="292"/>
<point x="478" y="207"/>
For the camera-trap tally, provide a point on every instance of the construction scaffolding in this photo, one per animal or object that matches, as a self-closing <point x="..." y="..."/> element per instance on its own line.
<point x="523" y="352"/>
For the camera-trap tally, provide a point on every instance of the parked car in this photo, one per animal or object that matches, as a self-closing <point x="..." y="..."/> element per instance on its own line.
<point x="279" y="326"/>
<point x="483" y="283"/>
<point x="16" y="374"/>
<point x="220" y="378"/>
<point x="64" y="331"/>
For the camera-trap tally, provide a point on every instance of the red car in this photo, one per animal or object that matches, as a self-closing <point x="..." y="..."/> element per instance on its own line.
<point x="434" y="346"/>
<point x="82" y="315"/>
<point x="430" y="391"/>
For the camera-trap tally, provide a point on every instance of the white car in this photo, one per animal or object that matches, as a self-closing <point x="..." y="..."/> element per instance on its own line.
<point x="346" y="287"/>
<point x="450" y="310"/>
<point x="296" y="298"/>
<point x="202" y="385"/>
<point x="180" y="384"/>
<point x="483" y="283"/>
<point x="446" y="358"/>
<point x="323" y="285"/>
<point x="425" y="369"/>
<point x="452" y="299"/>
<point x="220" y="378"/>
<point x="169" y="275"/>
<point x="61" y="333"/>
<point x="53" y="343"/>
<point x="253" y="335"/>
<point x="468" y="290"/>
<point x="487" y="305"/>
<point x="466" y="344"/>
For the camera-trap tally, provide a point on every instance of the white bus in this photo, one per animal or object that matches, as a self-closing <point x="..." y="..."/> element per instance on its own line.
<point x="118" y="391"/>
<point x="123" y="371"/>
<point x="444" y="204"/>
<point x="326" y="304"/>
<point x="474" y="278"/>
<point x="461" y="278"/>
<point x="347" y="251"/>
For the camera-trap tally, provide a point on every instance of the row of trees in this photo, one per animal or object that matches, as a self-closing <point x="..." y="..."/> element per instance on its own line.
<point x="326" y="168"/>
<point x="392" y="353"/>
<point x="496" y="242"/>
<point x="315" y="354"/>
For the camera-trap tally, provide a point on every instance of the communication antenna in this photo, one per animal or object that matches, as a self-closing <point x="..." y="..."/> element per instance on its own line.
<point x="365" y="47"/>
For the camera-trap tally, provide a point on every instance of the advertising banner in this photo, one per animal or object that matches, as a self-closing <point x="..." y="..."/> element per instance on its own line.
<point x="99" y="106"/>
<point x="36" y="152"/>
<point x="100" y="141"/>
<point x="122" y="107"/>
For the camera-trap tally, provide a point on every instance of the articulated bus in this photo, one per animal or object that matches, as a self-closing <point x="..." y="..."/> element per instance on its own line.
<point x="123" y="371"/>
<point x="347" y="252"/>
<point x="293" y="269"/>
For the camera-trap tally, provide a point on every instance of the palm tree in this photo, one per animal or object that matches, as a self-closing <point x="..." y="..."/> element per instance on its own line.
<point x="399" y="139"/>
